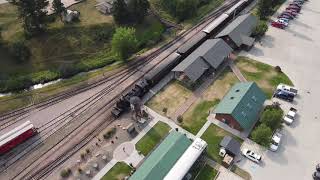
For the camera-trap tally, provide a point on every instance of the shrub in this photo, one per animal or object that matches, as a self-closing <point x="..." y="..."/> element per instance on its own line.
<point x="262" y="135"/>
<point x="82" y="155"/>
<point x="65" y="173"/>
<point x="272" y="118"/>
<point x="80" y="170"/>
<point x="278" y="69"/>
<point x="44" y="76"/>
<point x="260" y="29"/>
<point x="87" y="150"/>
<point x="20" y="51"/>
<point x="165" y="110"/>
<point x="180" y="119"/>
<point x="109" y="133"/>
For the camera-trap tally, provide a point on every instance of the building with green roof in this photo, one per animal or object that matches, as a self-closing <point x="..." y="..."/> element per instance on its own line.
<point x="241" y="106"/>
<point x="163" y="158"/>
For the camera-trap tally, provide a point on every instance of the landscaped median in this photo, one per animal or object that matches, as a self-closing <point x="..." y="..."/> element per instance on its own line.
<point x="118" y="172"/>
<point x="152" y="138"/>
<point x="213" y="136"/>
<point x="267" y="77"/>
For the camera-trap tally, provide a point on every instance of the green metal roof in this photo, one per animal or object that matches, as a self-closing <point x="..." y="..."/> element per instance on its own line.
<point x="163" y="158"/>
<point x="243" y="102"/>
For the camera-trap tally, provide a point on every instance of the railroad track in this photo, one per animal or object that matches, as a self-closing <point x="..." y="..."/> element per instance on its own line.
<point x="72" y="150"/>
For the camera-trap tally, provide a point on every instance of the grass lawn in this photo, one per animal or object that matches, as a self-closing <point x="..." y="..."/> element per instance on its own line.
<point x="206" y="173"/>
<point x="197" y="114"/>
<point x="221" y="85"/>
<point x="171" y="97"/>
<point x="152" y="138"/>
<point x="263" y="74"/>
<point x="242" y="173"/>
<point x="213" y="136"/>
<point x="118" y="172"/>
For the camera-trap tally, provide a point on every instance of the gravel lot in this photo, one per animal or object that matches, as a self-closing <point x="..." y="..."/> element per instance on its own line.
<point x="295" y="50"/>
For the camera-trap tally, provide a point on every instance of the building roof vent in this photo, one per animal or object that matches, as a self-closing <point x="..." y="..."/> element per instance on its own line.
<point x="238" y="90"/>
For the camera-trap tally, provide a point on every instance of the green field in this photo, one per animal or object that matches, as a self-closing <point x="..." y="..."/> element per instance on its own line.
<point x="196" y="116"/>
<point x="213" y="136"/>
<point x="117" y="172"/>
<point x="152" y="138"/>
<point x="206" y="173"/>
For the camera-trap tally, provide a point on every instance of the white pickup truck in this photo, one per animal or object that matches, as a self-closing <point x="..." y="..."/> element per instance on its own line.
<point x="289" y="117"/>
<point x="287" y="88"/>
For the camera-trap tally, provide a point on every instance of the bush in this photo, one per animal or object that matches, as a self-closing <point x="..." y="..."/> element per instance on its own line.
<point x="109" y="133"/>
<point x="182" y="9"/>
<point x="165" y="110"/>
<point x="278" y="69"/>
<point x="44" y="76"/>
<point x="20" y="51"/>
<point x="65" y="173"/>
<point x="260" y="29"/>
<point x="87" y="150"/>
<point x="262" y="135"/>
<point x="180" y="119"/>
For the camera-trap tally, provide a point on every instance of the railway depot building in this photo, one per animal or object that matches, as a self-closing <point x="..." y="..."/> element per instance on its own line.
<point x="206" y="58"/>
<point x="172" y="159"/>
<point x="237" y="33"/>
<point x="241" y="106"/>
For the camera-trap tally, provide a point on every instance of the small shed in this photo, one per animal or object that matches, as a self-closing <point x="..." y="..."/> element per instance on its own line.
<point x="231" y="145"/>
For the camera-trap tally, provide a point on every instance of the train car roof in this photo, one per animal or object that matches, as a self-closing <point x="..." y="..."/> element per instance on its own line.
<point x="191" y="42"/>
<point x="15" y="132"/>
<point x="208" y="29"/>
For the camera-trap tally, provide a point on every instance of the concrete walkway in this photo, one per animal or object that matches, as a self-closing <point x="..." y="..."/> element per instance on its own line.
<point x="237" y="71"/>
<point x="131" y="156"/>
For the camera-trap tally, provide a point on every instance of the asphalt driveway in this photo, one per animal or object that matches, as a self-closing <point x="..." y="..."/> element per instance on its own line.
<point x="296" y="50"/>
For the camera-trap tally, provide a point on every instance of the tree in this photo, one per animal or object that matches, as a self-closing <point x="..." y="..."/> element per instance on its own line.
<point x="59" y="8"/>
<point x="262" y="135"/>
<point x="33" y="13"/>
<point x="272" y="118"/>
<point x="264" y="8"/>
<point x="120" y="12"/>
<point x="124" y="42"/>
<point x="138" y="9"/>
<point x="20" y="51"/>
<point x="186" y="9"/>
<point x="260" y="29"/>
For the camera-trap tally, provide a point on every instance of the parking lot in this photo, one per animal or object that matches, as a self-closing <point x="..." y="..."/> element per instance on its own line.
<point x="295" y="50"/>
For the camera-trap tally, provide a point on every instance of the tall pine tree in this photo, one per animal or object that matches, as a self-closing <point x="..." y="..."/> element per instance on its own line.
<point x="138" y="9"/>
<point x="120" y="12"/>
<point x="33" y="13"/>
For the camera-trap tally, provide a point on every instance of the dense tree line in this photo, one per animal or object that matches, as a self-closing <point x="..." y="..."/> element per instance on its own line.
<point x="181" y="9"/>
<point x="265" y="7"/>
<point x="132" y="12"/>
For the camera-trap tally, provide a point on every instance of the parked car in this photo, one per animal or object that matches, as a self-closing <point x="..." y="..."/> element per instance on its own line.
<point x="295" y="4"/>
<point x="283" y="22"/>
<point x="294" y="13"/>
<point x="294" y="7"/>
<point x="287" y="88"/>
<point x="275" y="141"/>
<point x="284" y="95"/>
<point x="277" y="25"/>
<point x="285" y="16"/>
<point x="316" y="175"/>
<point x="290" y="116"/>
<point x="251" y="155"/>
<point x="284" y="19"/>
<point x="288" y="14"/>
<point x="318" y="167"/>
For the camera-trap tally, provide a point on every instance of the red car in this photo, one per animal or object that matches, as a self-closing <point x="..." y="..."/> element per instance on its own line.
<point x="277" y="25"/>
<point x="285" y="16"/>
<point x="294" y="13"/>
<point x="293" y="9"/>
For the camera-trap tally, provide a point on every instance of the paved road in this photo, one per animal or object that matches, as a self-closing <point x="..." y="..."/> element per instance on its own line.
<point x="296" y="51"/>
<point x="3" y="1"/>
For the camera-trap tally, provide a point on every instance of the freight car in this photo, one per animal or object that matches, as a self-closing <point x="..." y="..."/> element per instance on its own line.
<point x="16" y="136"/>
<point x="153" y="77"/>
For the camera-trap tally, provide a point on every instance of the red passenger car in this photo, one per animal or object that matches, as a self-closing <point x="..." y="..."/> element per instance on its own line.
<point x="16" y="136"/>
